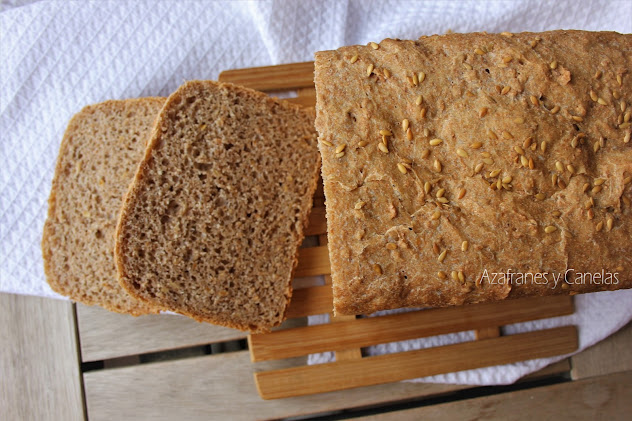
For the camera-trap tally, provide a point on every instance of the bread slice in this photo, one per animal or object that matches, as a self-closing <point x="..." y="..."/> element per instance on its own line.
<point x="212" y="223"/>
<point x="97" y="160"/>
<point x="477" y="167"/>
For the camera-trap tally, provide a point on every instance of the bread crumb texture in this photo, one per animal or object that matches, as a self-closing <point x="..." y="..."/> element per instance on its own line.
<point x="475" y="154"/>
<point x="212" y="223"/>
<point x="100" y="151"/>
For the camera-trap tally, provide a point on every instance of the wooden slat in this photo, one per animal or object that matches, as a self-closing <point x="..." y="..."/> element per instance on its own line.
<point x="272" y="78"/>
<point x="312" y="261"/>
<point x="307" y="92"/>
<point x="317" y="222"/>
<point x="309" y="301"/>
<point x="398" y="327"/>
<point x="303" y="380"/>
<point x="487" y="332"/>
<point x="608" y="356"/>
<point x="597" y="398"/>
<point x="107" y="335"/>
<point x="39" y="361"/>
<point x="346" y="354"/>
<point x="213" y="386"/>
<point x="303" y="101"/>
<point x="319" y="201"/>
<point x="319" y="193"/>
<point x="306" y="97"/>
<point x="342" y="354"/>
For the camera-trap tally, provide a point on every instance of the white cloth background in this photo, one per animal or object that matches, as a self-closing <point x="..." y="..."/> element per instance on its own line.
<point x="57" y="56"/>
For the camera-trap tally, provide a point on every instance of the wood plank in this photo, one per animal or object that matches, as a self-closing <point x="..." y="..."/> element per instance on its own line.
<point x="398" y="327"/>
<point x="272" y="78"/>
<point x="597" y="398"/>
<point x="317" y="222"/>
<point x="106" y="335"/>
<point x="213" y="386"/>
<point x="39" y="362"/>
<point x="304" y="380"/>
<point x="312" y="261"/>
<point x="309" y="301"/>
<point x="608" y="356"/>
<point x="210" y="387"/>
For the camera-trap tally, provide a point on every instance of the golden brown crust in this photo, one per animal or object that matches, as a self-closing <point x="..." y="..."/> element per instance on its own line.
<point x="506" y="108"/>
<point x="212" y="223"/>
<point x="97" y="158"/>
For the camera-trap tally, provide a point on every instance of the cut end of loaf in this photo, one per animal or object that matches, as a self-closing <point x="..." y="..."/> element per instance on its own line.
<point x="100" y="151"/>
<point x="212" y="224"/>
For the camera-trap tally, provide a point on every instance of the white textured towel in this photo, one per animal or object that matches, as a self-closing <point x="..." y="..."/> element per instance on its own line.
<point x="56" y="57"/>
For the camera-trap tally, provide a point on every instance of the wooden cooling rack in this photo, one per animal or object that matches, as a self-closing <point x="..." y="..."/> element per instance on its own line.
<point x="347" y="335"/>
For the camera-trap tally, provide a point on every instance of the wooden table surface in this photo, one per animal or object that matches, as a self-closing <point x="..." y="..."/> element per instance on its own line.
<point x="69" y="362"/>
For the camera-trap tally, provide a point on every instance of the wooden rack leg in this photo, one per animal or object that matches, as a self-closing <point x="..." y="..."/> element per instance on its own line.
<point x="347" y="354"/>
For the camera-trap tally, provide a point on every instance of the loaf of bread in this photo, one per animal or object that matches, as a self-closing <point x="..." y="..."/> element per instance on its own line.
<point x="476" y="167"/>
<point x="97" y="160"/>
<point x="212" y="223"/>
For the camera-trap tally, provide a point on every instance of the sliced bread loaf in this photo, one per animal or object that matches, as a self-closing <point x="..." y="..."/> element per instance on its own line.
<point x="97" y="160"/>
<point x="212" y="223"/>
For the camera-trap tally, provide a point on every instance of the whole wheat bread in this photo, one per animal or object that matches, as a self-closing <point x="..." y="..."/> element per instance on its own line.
<point x="476" y="167"/>
<point x="97" y="160"/>
<point x="212" y="223"/>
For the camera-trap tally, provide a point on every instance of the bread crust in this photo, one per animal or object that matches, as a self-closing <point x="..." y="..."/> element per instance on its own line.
<point x="506" y="109"/>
